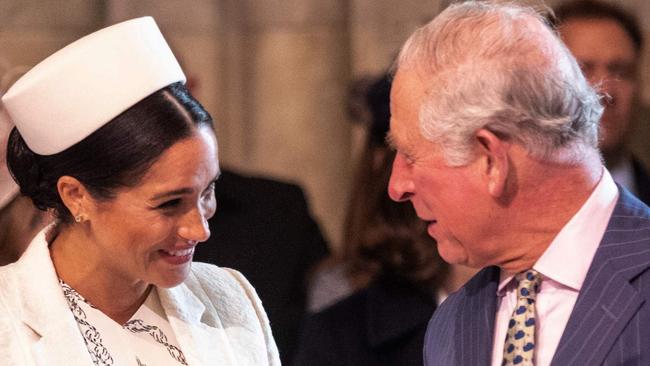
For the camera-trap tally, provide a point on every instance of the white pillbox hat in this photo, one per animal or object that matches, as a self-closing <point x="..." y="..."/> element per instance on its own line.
<point x="80" y="88"/>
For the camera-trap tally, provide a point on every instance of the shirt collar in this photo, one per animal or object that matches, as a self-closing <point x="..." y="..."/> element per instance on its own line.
<point x="568" y="257"/>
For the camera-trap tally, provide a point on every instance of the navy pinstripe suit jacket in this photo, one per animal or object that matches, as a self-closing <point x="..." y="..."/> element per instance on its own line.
<point x="609" y="325"/>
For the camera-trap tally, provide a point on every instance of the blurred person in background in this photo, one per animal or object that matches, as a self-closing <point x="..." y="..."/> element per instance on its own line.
<point x="387" y="260"/>
<point x="607" y="41"/>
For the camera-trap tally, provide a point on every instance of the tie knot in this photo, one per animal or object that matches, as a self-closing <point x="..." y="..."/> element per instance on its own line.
<point x="528" y="283"/>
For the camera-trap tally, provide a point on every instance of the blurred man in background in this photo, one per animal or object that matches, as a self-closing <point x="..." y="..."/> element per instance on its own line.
<point x="607" y="42"/>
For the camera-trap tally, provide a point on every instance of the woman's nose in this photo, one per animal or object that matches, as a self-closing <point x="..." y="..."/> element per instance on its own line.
<point x="194" y="226"/>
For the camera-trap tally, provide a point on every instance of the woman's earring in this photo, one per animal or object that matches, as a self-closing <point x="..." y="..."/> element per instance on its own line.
<point x="78" y="218"/>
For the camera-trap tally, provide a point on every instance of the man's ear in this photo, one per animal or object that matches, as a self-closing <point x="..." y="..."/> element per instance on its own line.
<point x="75" y="196"/>
<point x="493" y="151"/>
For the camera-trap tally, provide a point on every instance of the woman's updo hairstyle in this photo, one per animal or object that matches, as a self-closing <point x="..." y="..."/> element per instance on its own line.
<point x="117" y="155"/>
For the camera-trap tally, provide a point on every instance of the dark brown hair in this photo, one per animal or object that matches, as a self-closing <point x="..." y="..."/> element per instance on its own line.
<point x="383" y="238"/>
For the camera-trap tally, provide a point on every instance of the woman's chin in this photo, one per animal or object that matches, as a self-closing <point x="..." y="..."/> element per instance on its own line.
<point x="173" y="278"/>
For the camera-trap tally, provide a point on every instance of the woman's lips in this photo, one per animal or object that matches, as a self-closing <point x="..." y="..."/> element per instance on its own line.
<point x="179" y="256"/>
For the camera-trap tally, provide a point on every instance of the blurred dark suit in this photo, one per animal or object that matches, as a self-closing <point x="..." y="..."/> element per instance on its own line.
<point x="381" y="325"/>
<point x="263" y="229"/>
<point x="642" y="181"/>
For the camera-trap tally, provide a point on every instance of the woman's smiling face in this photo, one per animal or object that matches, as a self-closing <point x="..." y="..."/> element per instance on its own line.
<point x="148" y="232"/>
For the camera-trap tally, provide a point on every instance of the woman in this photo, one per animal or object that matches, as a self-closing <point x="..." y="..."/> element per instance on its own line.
<point x="390" y="263"/>
<point x="109" y="140"/>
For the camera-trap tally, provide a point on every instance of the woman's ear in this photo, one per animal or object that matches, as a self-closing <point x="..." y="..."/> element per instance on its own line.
<point x="75" y="197"/>
<point x="494" y="152"/>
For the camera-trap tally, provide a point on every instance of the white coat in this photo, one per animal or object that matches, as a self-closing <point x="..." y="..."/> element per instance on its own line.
<point x="215" y="314"/>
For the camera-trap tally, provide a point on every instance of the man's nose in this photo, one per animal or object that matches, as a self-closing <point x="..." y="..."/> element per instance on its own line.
<point x="400" y="186"/>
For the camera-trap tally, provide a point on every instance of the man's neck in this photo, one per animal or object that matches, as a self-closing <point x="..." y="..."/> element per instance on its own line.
<point x="550" y="195"/>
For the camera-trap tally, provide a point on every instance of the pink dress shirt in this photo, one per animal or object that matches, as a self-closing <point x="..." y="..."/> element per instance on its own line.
<point x="563" y="266"/>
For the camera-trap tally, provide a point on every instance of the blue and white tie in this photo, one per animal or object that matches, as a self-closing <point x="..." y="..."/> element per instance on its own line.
<point x="519" y="348"/>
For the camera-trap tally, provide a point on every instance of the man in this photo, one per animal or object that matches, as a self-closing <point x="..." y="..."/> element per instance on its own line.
<point x="495" y="129"/>
<point x="607" y="43"/>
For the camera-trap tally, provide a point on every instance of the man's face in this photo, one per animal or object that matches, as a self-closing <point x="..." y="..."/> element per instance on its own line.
<point x="607" y="57"/>
<point x="451" y="200"/>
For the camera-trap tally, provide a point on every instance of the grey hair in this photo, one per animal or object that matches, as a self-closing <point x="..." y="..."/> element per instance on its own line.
<point x="502" y="68"/>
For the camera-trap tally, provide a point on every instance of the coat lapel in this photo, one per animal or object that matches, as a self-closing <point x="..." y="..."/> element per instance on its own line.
<point x="200" y="335"/>
<point x="475" y="319"/>
<point x="44" y="310"/>
<point x="608" y="300"/>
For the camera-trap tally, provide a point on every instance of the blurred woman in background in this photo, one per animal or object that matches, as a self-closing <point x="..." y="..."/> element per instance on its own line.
<point x="387" y="259"/>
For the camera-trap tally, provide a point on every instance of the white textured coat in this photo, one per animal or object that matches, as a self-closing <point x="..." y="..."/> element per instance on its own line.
<point x="216" y="316"/>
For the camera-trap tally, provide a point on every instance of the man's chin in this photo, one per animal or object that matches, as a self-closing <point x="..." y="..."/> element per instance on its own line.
<point x="452" y="253"/>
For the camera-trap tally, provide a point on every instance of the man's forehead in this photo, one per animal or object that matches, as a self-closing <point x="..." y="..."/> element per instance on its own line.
<point x="407" y="93"/>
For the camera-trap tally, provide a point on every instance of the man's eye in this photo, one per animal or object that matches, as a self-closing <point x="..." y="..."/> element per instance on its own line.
<point x="169" y="204"/>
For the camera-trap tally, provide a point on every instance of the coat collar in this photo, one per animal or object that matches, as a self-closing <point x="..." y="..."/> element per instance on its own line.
<point x="608" y="300"/>
<point x="395" y="310"/>
<point x="199" y="332"/>
<point x="44" y="309"/>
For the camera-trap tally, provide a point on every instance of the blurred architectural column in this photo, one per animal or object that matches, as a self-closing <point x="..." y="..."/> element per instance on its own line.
<point x="294" y="59"/>
<point x="31" y="30"/>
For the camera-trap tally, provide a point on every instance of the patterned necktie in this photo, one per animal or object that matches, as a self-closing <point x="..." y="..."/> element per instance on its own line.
<point x="520" y="341"/>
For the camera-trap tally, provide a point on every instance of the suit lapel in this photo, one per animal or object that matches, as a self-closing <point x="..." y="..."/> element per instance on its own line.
<point x="203" y="341"/>
<point x="44" y="310"/>
<point x="475" y="319"/>
<point x="607" y="300"/>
